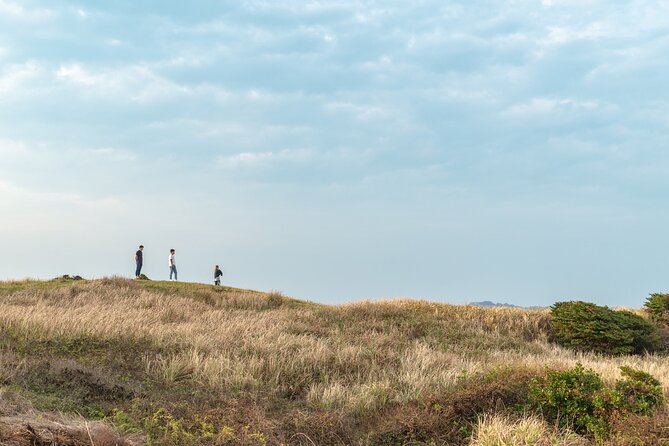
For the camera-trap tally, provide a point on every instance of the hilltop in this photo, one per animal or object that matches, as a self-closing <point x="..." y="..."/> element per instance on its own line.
<point x="116" y="361"/>
<point x="491" y="304"/>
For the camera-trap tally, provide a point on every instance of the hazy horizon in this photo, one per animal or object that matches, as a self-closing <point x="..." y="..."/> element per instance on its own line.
<point x="505" y="151"/>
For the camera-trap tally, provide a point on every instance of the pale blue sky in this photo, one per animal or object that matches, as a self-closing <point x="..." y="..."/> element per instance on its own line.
<point x="339" y="150"/>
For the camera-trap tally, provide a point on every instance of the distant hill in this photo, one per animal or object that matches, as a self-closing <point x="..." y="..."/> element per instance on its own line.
<point x="490" y="304"/>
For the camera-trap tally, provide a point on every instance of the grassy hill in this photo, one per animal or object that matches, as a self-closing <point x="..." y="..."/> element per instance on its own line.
<point x="115" y="361"/>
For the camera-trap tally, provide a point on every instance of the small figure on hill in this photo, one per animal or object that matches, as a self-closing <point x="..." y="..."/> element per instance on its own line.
<point x="173" y="265"/>
<point x="217" y="275"/>
<point x="139" y="260"/>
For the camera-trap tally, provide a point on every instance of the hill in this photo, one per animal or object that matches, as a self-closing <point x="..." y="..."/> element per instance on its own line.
<point x="116" y="361"/>
<point x="490" y="304"/>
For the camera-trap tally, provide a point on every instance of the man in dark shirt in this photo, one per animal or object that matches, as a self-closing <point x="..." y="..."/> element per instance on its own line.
<point x="217" y="275"/>
<point x="139" y="259"/>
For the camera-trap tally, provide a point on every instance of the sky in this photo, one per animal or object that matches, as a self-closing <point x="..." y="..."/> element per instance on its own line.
<point x="506" y="150"/>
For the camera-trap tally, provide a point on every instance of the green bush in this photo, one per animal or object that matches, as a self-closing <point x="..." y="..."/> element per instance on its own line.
<point x="575" y="398"/>
<point x="586" y="326"/>
<point x="578" y="399"/>
<point x="638" y="392"/>
<point x="657" y="306"/>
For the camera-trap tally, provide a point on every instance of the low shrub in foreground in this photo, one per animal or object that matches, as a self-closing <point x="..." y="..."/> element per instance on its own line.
<point x="450" y="417"/>
<point x="638" y="392"/>
<point x="578" y="399"/>
<point x="586" y="326"/>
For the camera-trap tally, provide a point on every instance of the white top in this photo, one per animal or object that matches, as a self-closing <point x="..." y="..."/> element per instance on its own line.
<point x="171" y="261"/>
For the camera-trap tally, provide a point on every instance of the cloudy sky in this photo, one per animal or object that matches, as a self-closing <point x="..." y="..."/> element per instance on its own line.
<point x="511" y="150"/>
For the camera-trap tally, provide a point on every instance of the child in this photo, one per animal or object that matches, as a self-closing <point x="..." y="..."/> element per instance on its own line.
<point x="217" y="275"/>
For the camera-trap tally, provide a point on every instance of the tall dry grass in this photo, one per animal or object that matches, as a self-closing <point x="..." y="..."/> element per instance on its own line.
<point x="496" y="430"/>
<point x="21" y="425"/>
<point x="355" y="357"/>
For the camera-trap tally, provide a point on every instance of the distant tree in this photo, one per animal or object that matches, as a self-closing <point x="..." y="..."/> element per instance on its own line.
<point x="657" y="306"/>
<point x="586" y="326"/>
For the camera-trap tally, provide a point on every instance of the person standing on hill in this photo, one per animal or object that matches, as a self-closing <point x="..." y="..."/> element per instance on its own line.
<point x="217" y="275"/>
<point x="139" y="260"/>
<point x="173" y="265"/>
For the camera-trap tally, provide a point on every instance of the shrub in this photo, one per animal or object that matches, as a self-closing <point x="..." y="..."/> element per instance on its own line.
<point x="450" y="417"/>
<point x="578" y="399"/>
<point x="275" y="299"/>
<point x="575" y="398"/>
<point x="657" y="306"/>
<point x="639" y="393"/>
<point x="586" y="326"/>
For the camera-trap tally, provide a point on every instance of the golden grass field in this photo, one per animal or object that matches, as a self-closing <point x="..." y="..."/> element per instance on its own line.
<point x="167" y="363"/>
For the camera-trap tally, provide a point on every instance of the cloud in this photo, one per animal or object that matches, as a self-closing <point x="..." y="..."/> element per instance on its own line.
<point x="15" y="76"/>
<point x="362" y="112"/>
<point x="115" y="154"/>
<point x="135" y="83"/>
<point x="13" y="151"/>
<point x="13" y="194"/>
<point x="559" y="35"/>
<point x="17" y="11"/>
<point x="49" y="157"/>
<point x="254" y="160"/>
<point x="393" y="104"/>
<point x="544" y="106"/>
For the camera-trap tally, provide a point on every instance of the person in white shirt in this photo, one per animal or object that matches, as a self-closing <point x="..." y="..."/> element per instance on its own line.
<point x="173" y="265"/>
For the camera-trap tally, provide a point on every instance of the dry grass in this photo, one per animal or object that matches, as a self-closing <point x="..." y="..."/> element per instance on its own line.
<point x="498" y="430"/>
<point x="354" y="358"/>
<point x="20" y="425"/>
<point x="349" y="356"/>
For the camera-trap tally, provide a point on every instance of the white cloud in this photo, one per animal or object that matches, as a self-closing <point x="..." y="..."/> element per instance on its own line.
<point x="14" y="76"/>
<point x="250" y="160"/>
<point x="187" y="61"/>
<point x="16" y="11"/>
<point x="12" y="194"/>
<point x="139" y="83"/>
<point x="76" y="74"/>
<point x="136" y="83"/>
<point x="115" y="154"/>
<point x="362" y="112"/>
<point x="39" y="155"/>
<point x="43" y="213"/>
<point x="13" y="151"/>
<point x="543" y="106"/>
<point x="559" y="35"/>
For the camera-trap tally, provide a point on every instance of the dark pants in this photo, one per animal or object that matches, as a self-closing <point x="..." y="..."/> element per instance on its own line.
<point x="138" y="271"/>
<point x="173" y="270"/>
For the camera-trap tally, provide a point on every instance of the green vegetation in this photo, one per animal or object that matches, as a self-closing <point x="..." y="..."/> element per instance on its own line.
<point x="638" y="392"/>
<point x="657" y="306"/>
<point x="165" y="363"/>
<point x="586" y="326"/>
<point x="578" y="398"/>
